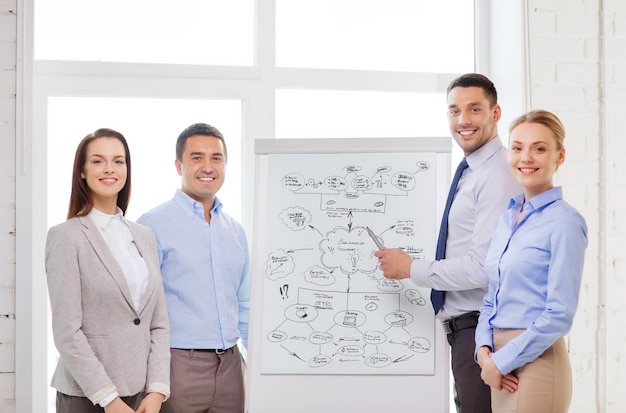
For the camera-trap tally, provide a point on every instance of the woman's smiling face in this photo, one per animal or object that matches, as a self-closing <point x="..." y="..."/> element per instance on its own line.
<point x="534" y="157"/>
<point x="105" y="172"/>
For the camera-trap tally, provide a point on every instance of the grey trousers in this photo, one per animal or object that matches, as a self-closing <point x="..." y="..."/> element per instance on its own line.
<point x="472" y="394"/>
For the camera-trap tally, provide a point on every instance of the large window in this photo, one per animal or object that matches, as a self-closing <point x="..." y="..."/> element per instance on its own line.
<point x="146" y="31"/>
<point x="358" y="114"/>
<point x="254" y="69"/>
<point x="388" y="35"/>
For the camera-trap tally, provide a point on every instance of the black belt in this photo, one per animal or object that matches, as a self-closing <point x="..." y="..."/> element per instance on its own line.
<point x="467" y="320"/>
<point x="206" y="350"/>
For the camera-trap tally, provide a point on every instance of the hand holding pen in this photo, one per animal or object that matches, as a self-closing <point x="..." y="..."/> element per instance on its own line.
<point x="394" y="263"/>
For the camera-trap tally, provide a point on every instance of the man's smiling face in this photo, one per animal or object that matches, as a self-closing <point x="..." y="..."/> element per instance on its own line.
<point x="472" y="120"/>
<point x="202" y="168"/>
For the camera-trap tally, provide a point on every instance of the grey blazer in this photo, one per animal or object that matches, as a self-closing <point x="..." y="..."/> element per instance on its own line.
<point x="103" y="342"/>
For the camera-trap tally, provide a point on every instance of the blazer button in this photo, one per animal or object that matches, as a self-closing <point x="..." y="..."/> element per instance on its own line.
<point x="137" y="321"/>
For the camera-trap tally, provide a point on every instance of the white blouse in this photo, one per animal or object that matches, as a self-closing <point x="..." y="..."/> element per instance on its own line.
<point x="120" y="241"/>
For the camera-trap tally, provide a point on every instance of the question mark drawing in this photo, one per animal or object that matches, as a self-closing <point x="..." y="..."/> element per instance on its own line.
<point x="283" y="291"/>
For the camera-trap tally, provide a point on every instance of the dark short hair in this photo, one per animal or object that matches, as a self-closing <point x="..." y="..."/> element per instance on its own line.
<point x="80" y="198"/>
<point x="476" y="80"/>
<point x="197" y="129"/>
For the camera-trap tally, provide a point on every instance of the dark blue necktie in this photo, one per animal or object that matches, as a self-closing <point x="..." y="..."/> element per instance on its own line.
<point x="436" y="296"/>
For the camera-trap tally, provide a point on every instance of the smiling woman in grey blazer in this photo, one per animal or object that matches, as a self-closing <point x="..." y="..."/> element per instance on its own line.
<point x="109" y="319"/>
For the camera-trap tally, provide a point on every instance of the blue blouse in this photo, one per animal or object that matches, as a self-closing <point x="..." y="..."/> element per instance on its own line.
<point x="535" y="269"/>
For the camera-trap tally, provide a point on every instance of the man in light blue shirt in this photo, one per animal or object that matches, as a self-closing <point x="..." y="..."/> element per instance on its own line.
<point x="205" y="265"/>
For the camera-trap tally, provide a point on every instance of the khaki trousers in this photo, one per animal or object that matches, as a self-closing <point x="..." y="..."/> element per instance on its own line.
<point x="545" y="385"/>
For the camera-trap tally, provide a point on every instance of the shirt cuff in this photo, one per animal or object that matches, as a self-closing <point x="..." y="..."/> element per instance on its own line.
<point x="162" y="388"/>
<point x="108" y="399"/>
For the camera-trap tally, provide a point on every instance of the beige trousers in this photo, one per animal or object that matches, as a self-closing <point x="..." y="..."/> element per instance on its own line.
<point x="545" y="385"/>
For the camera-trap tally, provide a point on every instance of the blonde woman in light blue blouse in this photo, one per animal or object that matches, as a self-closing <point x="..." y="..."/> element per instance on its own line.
<point x="534" y="265"/>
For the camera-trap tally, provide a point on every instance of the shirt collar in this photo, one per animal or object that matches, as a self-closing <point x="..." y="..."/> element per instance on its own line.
<point x="546" y="197"/>
<point x="103" y="220"/>
<point x="539" y="201"/>
<point x="190" y="205"/>
<point x="482" y="154"/>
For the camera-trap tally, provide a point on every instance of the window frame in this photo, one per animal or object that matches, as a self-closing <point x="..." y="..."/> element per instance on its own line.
<point x="255" y="86"/>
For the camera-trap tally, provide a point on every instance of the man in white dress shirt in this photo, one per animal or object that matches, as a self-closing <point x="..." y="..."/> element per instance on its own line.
<point x="482" y="194"/>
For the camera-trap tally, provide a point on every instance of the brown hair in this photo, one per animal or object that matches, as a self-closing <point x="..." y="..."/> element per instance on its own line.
<point x="545" y="118"/>
<point x="80" y="198"/>
<point x="476" y="80"/>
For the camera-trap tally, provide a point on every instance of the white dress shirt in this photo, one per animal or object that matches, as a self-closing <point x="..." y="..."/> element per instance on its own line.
<point x="482" y="195"/>
<point x="119" y="239"/>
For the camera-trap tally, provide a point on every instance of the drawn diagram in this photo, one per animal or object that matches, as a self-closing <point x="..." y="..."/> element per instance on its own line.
<point x="327" y="307"/>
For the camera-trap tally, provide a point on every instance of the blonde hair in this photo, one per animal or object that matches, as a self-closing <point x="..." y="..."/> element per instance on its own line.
<point x="545" y="118"/>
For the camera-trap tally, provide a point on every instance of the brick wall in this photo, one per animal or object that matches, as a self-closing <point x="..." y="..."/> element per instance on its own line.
<point x="577" y="61"/>
<point x="8" y="33"/>
<point x="615" y="183"/>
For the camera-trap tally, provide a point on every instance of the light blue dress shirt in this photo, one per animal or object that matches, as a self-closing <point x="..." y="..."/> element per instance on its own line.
<point x="535" y="270"/>
<point x="206" y="273"/>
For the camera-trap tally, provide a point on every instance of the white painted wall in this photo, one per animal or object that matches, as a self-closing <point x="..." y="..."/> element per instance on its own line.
<point x="8" y="47"/>
<point x="576" y="68"/>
